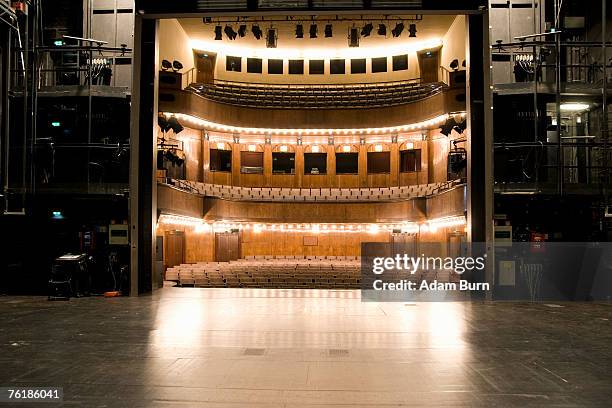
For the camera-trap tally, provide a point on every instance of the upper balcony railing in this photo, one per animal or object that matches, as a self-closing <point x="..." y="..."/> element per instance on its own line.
<point x="313" y="96"/>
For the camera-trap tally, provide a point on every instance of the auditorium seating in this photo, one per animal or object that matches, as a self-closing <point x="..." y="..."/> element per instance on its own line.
<point x="313" y="96"/>
<point x="313" y="194"/>
<point x="288" y="272"/>
<point x="271" y="272"/>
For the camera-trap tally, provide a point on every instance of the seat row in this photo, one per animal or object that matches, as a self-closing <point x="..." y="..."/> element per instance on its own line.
<point x="315" y="96"/>
<point x="269" y="273"/>
<point x="312" y="194"/>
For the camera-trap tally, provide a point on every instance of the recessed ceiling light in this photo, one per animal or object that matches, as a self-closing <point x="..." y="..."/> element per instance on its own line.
<point x="574" y="106"/>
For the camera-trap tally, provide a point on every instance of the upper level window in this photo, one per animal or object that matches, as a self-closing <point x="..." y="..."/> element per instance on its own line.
<point x="379" y="162"/>
<point x="233" y="64"/>
<point x="347" y="163"/>
<point x="410" y="161"/>
<point x="358" y="66"/>
<point x="316" y="67"/>
<point x="379" y="64"/>
<point x="296" y="67"/>
<point x="400" y="62"/>
<point x="337" y="66"/>
<point x="283" y="163"/>
<point x="220" y="160"/>
<point x="275" y="66"/>
<point x="251" y="162"/>
<point x="254" y="65"/>
<point x="315" y="163"/>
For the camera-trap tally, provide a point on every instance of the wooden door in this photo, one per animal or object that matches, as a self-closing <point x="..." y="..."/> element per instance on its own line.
<point x="174" y="242"/>
<point x="429" y="64"/>
<point x="205" y="66"/>
<point x="227" y="246"/>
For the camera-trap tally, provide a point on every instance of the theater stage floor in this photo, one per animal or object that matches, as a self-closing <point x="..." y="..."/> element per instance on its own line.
<point x="185" y="347"/>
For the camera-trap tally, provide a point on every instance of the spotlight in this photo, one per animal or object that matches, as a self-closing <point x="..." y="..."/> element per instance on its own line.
<point x="162" y="122"/>
<point x="451" y="124"/>
<point x="328" y="31"/>
<point x="166" y="65"/>
<point x="313" y="30"/>
<point x="353" y="37"/>
<point x="229" y="31"/>
<point x="242" y="31"/>
<point x="299" y="31"/>
<point x="257" y="32"/>
<point x="367" y="30"/>
<point x="460" y="126"/>
<point x="218" y="33"/>
<point x="174" y="124"/>
<point x="271" y="38"/>
<point x="412" y="30"/>
<point x="382" y="29"/>
<point x="454" y="64"/>
<point x="397" y="31"/>
<point x="176" y="66"/>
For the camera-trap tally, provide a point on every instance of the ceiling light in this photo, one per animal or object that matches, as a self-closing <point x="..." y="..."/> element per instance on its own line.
<point x="229" y="31"/>
<point x="271" y="38"/>
<point x="397" y="31"/>
<point x="367" y="30"/>
<point x="313" y="30"/>
<point x="382" y="29"/>
<point x="412" y="30"/>
<point x="242" y="30"/>
<point x="353" y="37"/>
<point x="166" y="65"/>
<point x="218" y="33"/>
<point x="328" y="31"/>
<point x="574" y="106"/>
<point x="176" y="66"/>
<point x="257" y="32"/>
<point x="299" y="31"/>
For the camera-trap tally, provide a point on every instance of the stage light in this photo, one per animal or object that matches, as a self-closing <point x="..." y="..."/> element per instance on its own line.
<point x="367" y="30"/>
<point x="353" y="37"/>
<point x="242" y="31"/>
<point x="257" y="32"/>
<point x="412" y="30"/>
<point x="397" y="31"/>
<point x="230" y="33"/>
<point x="166" y="65"/>
<point x="174" y="124"/>
<point x="313" y="30"/>
<point x="454" y="64"/>
<point x="271" y="38"/>
<point x="218" y="33"/>
<point x="299" y="31"/>
<point x="451" y="124"/>
<point x="328" y="31"/>
<point x="176" y="66"/>
<point x="382" y="29"/>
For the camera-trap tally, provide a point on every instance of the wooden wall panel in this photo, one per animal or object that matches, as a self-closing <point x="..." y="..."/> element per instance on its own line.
<point x="200" y="247"/>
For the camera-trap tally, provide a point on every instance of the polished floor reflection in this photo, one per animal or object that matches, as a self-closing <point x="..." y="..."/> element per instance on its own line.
<point x="306" y="348"/>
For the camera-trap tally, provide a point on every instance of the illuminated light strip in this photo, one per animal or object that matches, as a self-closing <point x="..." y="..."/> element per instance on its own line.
<point x="404" y="47"/>
<point x="430" y="123"/>
<point x="201" y="226"/>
